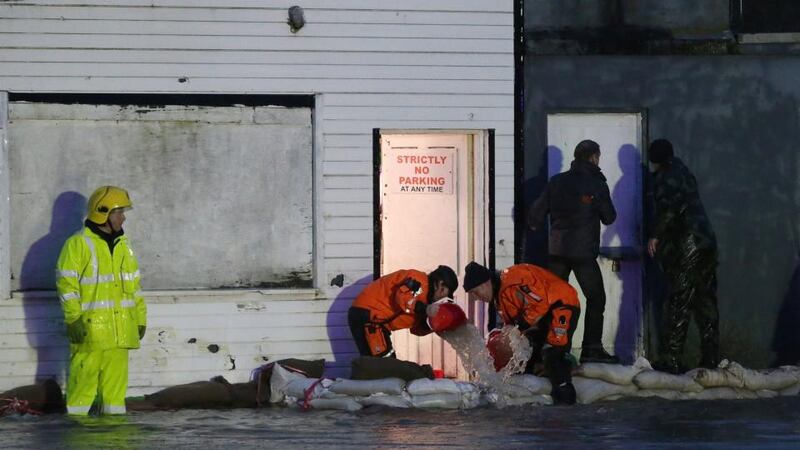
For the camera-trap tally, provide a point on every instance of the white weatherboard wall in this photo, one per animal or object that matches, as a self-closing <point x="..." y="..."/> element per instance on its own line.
<point x="411" y="65"/>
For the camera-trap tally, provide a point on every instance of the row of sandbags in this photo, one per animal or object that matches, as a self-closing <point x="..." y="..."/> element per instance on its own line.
<point x="593" y="382"/>
<point x="216" y="393"/>
<point x="730" y="380"/>
<point x="294" y="389"/>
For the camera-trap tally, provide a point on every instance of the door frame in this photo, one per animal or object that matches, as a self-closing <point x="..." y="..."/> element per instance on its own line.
<point x="480" y="246"/>
<point x="646" y="325"/>
<point x="487" y="136"/>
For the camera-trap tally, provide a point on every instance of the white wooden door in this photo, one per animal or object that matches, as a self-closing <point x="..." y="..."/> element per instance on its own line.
<point x="428" y="217"/>
<point x="620" y="138"/>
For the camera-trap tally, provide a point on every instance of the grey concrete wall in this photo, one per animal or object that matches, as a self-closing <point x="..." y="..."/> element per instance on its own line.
<point x="734" y="120"/>
<point x="682" y="17"/>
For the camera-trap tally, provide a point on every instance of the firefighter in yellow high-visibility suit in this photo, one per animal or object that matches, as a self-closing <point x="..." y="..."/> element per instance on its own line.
<point x="97" y="277"/>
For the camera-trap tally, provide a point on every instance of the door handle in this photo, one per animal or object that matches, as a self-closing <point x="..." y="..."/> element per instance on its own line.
<point x="620" y="253"/>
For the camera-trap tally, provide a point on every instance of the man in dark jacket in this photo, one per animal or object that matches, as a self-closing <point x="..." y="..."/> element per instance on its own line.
<point x="684" y="244"/>
<point x="577" y="201"/>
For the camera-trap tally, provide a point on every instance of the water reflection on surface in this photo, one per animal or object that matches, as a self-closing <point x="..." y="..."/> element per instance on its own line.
<point x="631" y="423"/>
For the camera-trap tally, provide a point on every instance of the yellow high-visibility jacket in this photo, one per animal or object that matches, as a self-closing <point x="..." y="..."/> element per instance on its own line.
<point x="101" y="290"/>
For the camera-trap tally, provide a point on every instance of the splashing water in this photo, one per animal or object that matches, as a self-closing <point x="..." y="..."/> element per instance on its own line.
<point x="471" y="348"/>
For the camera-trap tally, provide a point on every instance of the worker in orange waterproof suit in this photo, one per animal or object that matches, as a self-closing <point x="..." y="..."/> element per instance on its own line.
<point x="543" y="306"/>
<point x="397" y="301"/>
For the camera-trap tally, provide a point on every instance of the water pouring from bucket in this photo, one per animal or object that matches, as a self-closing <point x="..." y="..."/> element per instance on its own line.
<point x="490" y="362"/>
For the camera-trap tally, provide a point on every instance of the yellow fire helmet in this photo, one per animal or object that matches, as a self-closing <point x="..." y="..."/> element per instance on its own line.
<point x="104" y="199"/>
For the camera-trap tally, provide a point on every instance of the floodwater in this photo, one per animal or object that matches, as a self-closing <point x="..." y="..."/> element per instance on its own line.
<point x="628" y="423"/>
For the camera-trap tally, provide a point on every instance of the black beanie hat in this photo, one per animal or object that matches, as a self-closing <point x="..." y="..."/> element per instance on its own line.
<point x="660" y="151"/>
<point x="474" y="275"/>
<point x="447" y="276"/>
<point x="586" y="149"/>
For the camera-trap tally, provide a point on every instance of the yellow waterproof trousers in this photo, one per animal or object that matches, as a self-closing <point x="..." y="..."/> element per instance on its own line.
<point x="102" y="373"/>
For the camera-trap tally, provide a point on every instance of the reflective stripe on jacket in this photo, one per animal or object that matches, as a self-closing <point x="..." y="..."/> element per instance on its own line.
<point x="528" y="292"/>
<point x="389" y="300"/>
<point x="102" y="290"/>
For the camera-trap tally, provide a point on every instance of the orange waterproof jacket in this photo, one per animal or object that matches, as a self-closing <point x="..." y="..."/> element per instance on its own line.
<point x="390" y="301"/>
<point x="527" y="293"/>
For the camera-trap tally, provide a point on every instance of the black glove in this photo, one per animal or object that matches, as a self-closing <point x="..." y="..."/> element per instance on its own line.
<point x="142" y="330"/>
<point x="76" y="331"/>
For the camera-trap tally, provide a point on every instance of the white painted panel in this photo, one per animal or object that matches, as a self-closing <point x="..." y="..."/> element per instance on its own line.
<point x="329" y="15"/>
<point x="619" y="136"/>
<point x="441" y="5"/>
<point x="256" y="43"/>
<point x="250" y="85"/>
<point x="277" y="28"/>
<point x="199" y="179"/>
<point x="244" y="59"/>
<point x="422" y="101"/>
<point x="5" y="204"/>
<point x="341" y="55"/>
<point x="202" y="70"/>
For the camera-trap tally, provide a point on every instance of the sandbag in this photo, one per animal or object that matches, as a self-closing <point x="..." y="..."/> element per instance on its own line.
<point x="652" y="379"/>
<point x="471" y="396"/>
<point x="343" y="403"/>
<point x="314" y="388"/>
<point x="373" y="368"/>
<point x="392" y="401"/>
<point x="444" y="401"/>
<point x="612" y="373"/>
<point x="513" y="391"/>
<point x="313" y="368"/>
<point x="666" y="394"/>
<point x="540" y="399"/>
<point x="243" y="395"/>
<point x="791" y="390"/>
<point x="531" y="383"/>
<point x="42" y="397"/>
<point x="772" y="379"/>
<point x="365" y="388"/>
<point x="719" y="393"/>
<point x="766" y="393"/>
<point x="310" y="368"/>
<point x="590" y="390"/>
<point x="279" y="381"/>
<point x="719" y="377"/>
<point x="199" y="395"/>
<point x="746" y="394"/>
<point x="428" y="387"/>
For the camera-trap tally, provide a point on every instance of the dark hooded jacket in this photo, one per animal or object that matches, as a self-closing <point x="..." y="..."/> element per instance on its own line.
<point x="679" y="213"/>
<point x="577" y="201"/>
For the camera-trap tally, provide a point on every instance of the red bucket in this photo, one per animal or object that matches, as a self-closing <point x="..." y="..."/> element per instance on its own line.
<point x="449" y="317"/>
<point x="499" y="349"/>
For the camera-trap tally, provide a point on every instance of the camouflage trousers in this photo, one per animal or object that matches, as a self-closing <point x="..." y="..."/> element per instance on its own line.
<point x="691" y="271"/>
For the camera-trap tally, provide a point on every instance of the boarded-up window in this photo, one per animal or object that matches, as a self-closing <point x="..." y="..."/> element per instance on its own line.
<point x="222" y="195"/>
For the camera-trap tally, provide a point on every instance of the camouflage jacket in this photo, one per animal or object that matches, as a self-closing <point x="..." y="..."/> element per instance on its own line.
<point x="678" y="212"/>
